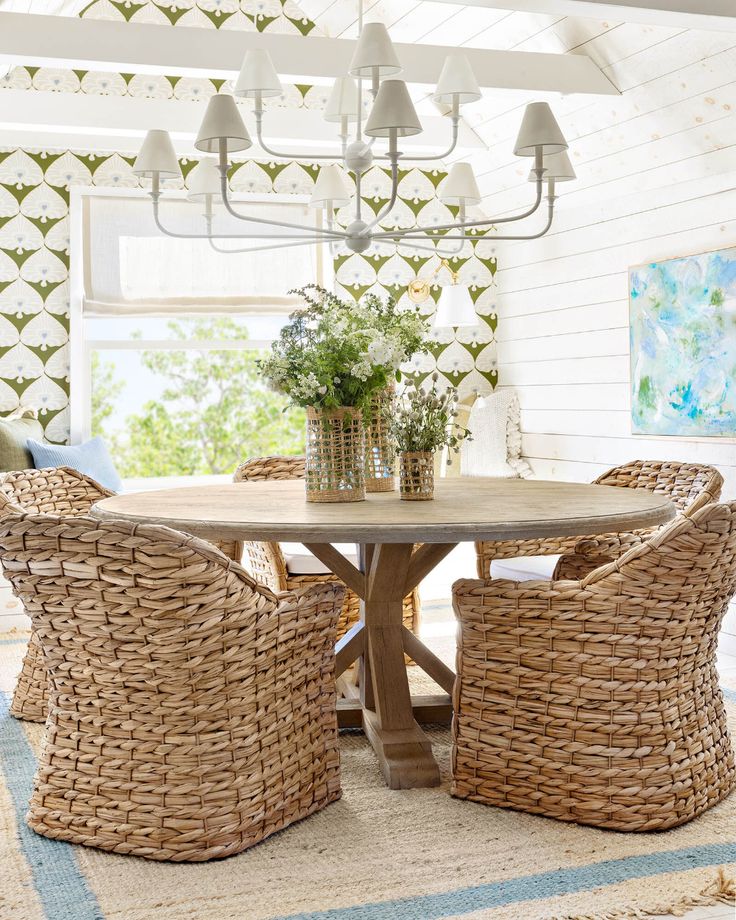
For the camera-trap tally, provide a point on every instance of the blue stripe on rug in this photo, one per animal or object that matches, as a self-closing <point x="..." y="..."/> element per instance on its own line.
<point x="61" y="887"/>
<point x="531" y="887"/>
<point x="728" y="694"/>
<point x="23" y="640"/>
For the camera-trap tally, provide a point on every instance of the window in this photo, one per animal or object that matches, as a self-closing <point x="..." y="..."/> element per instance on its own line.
<point x="166" y="334"/>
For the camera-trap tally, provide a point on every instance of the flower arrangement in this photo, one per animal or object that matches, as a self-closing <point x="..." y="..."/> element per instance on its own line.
<point x="337" y="353"/>
<point x="424" y="420"/>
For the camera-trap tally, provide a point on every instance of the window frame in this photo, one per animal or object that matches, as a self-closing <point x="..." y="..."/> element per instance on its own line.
<point x="81" y="346"/>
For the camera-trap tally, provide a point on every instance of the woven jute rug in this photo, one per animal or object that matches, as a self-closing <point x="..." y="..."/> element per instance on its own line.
<point x="374" y="855"/>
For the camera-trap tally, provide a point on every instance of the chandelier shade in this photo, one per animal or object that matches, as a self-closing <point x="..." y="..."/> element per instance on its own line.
<point x="222" y="121"/>
<point x="539" y="129"/>
<point x="203" y="181"/>
<point x="330" y="189"/>
<point x="343" y="101"/>
<point x="557" y="166"/>
<point x="393" y="111"/>
<point x="455" y="307"/>
<point x="258" y="76"/>
<point x="157" y="156"/>
<point x="460" y="187"/>
<point x="374" y="54"/>
<point x="457" y="82"/>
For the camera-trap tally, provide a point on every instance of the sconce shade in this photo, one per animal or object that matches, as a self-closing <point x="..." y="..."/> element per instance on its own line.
<point x="455" y="307"/>
<point x="203" y="180"/>
<point x="374" y="53"/>
<point x="156" y="156"/>
<point x="557" y="166"/>
<point x="330" y="188"/>
<point x="258" y="75"/>
<point x="539" y="128"/>
<point x="343" y="101"/>
<point x="393" y="110"/>
<point x="222" y="120"/>
<point x="460" y="186"/>
<point x="457" y="79"/>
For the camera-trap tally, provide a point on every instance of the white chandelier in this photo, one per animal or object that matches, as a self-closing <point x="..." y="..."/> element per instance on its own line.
<point x="392" y="117"/>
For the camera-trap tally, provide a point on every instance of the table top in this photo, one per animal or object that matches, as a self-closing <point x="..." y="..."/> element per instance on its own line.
<point x="463" y="509"/>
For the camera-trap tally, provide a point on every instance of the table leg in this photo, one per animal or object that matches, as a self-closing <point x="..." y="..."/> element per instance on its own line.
<point x="403" y="750"/>
<point x="387" y="573"/>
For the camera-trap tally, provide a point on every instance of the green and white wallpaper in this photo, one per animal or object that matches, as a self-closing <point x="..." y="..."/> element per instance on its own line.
<point x="34" y="218"/>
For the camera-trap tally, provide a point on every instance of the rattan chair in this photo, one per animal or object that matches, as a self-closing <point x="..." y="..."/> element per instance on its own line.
<point x="191" y="711"/>
<point x="598" y="701"/>
<point x="59" y="490"/>
<point x="689" y="486"/>
<point x="267" y="563"/>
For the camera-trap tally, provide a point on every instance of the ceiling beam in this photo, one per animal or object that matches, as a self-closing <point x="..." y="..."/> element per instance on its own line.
<point x="717" y="15"/>
<point x="119" y="123"/>
<point x="90" y="44"/>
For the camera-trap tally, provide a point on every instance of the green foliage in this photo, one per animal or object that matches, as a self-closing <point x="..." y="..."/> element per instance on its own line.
<point x="425" y="419"/>
<point x="215" y="410"/>
<point x="336" y="353"/>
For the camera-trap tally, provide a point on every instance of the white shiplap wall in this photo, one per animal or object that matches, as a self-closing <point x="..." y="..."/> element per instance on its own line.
<point x="657" y="180"/>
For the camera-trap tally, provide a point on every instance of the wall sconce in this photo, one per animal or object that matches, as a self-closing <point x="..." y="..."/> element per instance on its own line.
<point x="455" y="307"/>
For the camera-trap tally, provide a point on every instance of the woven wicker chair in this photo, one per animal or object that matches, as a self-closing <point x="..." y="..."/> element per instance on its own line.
<point x="689" y="486"/>
<point x="598" y="701"/>
<point x="266" y="561"/>
<point x="59" y="490"/>
<point x="191" y="711"/>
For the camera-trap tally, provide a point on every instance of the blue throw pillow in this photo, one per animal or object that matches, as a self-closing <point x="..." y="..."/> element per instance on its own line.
<point x="91" y="458"/>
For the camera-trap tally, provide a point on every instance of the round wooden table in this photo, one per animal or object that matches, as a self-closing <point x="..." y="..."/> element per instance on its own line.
<point x="386" y="531"/>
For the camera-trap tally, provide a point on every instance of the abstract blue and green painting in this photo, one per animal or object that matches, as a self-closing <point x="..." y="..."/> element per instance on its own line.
<point x="683" y="346"/>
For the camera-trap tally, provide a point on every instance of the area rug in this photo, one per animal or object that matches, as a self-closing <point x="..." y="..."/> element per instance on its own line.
<point x="376" y="854"/>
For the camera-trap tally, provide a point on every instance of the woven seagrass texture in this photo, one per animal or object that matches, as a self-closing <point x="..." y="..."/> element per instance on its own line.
<point x="266" y="560"/>
<point x="191" y="710"/>
<point x="598" y="701"/>
<point x="687" y="485"/>
<point x="57" y="490"/>
<point x="335" y="461"/>
<point x="416" y="475"/>
<point x="380" y="455"/>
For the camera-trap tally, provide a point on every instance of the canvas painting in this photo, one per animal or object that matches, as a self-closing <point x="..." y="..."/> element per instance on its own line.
<point x="683" y="346"/>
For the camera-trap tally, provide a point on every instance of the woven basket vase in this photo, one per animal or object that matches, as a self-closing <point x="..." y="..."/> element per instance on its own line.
<point x="416" y="475"/>
<point x="380" y="455"/>
<point x="335" y="463"/>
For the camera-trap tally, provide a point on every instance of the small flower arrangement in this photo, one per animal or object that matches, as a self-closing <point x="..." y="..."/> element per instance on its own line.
<point x="336" y="353"/>
<point x="424" y="420"/>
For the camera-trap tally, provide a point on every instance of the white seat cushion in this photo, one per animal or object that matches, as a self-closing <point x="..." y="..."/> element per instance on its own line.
<point x="524" y="568"/>
<point x="299" y="561"/>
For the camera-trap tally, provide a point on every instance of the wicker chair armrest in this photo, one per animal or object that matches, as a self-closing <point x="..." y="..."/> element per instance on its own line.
<point x="506" y="591"/>
<point x="611" y="544"/>
<point x="544" y="546"/>
<point x="326" y="591"/>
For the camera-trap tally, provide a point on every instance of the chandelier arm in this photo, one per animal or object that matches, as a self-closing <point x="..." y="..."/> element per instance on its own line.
<point x="318" y="233"/>
<point x="266" y="248"/>
<point x="225" y="236"/>
<point x="532" y="236"/>
<point x="436" y="250"/>
<point x="424" y="232"/>
<point x="392" y="200"/>
<point x="427" y="158"/>
<point x="288" y="156"/>
<point x="476" y="239"/>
